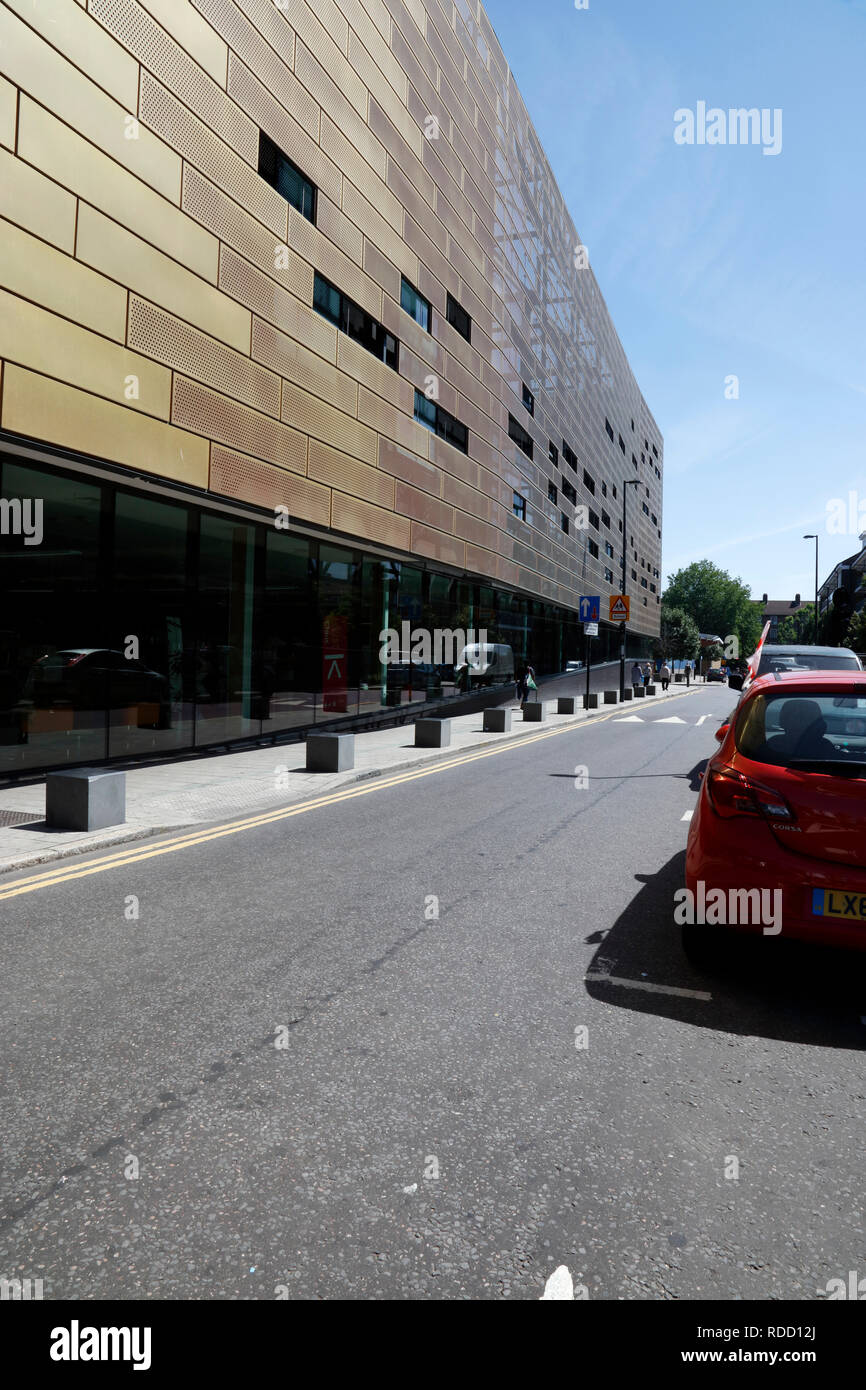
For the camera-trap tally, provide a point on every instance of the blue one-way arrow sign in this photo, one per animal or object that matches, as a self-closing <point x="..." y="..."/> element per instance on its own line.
<point x="589" y="607"/>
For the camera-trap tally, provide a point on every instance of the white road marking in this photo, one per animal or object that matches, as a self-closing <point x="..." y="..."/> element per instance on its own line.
<point x="688" y="815"/>
<point x="560" y="1285"/>
<point x="650" y="988"/>
<point x="629" y="719"/>
<point x="674" y="719"/>
<point x="701" y="720"/>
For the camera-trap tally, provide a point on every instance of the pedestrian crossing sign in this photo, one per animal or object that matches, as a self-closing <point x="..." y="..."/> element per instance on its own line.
<point x="619" y="608"/>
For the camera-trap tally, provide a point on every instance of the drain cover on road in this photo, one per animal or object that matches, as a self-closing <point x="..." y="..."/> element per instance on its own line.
<point x="18" y="817"/>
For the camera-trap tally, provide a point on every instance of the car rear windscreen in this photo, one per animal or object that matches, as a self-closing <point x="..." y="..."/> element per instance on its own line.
<point x="807" y="661"/>
<point x="791" y="730"/>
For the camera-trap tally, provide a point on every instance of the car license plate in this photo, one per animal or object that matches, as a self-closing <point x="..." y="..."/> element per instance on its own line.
<point x="835" y="902"/>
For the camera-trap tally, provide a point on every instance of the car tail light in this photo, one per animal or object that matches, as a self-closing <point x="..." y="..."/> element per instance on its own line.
<point x="733" y="794"/>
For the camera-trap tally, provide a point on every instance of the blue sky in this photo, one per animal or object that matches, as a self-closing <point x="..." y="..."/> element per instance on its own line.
<point x="718" y="260"/>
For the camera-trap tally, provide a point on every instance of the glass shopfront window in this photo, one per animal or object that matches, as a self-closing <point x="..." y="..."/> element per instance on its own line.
<point x="228" y="701"/>
<point x="287" y="636"/>
<point x="55" y="663"/>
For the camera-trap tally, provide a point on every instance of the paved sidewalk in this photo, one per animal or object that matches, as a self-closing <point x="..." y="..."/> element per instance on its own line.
<point x="192" y="791"/>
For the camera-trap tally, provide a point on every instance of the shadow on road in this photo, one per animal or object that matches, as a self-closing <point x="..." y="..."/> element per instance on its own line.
<point x="762" y="986"/>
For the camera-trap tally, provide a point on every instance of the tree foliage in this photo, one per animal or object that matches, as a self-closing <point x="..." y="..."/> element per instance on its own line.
<point x="679" y="636"/>
<point x="797" y="628"/>
<point x="716" y="602"/>
<point x="856" y="635"/>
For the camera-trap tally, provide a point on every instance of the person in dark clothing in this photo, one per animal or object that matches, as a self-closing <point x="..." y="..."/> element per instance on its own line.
<point x="526" y="684"/>
<point x="688" y="673"/>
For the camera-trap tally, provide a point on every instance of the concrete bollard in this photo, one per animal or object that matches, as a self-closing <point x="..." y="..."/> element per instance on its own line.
<point x="650" y="690"/>
<point x="330" y="752"/>
<point x="534" y="713"/>
<point x="433" y="733"/>
<point x="590" y="701"/>
<point x="565" y="704"/>
<point x="628" y="693"/>
<point x="611" y="697"/>
<point x="497" y="721"/>
<point x="85" y="799"/>
<point x="639" y="692"/>
<point x="678" y="676"/>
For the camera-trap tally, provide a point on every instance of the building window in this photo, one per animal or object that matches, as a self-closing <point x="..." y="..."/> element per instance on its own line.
<point x="528" y="399"/>
<point x="522" y="438"/>
<point x="614" y="497"/>
<point x="604" y="489"/>
<point x="593" y="518"/>
<point x="563" y="521"/>
<point x="441" y="423"/>
<point x="589" y="482"/>
<point x="593" y="549"/>
<point x="605" y="520"/>
<point x="279" y="171"/>
<point x="415" y="305"/>
<point x="608" y="576"/>
<point x="519" y="506"/>
<point x="652" y="588"/>
<point x="458" y="318"/>
<point x="645" y="508"/>
<point x="608" y="549"/>
<point x="355" y="322"/>
<point x="569" y="455"/>
<point x="655" y="451"/>
<point x="643" y="584"/>
<point x="621" y="443"/>
<point x="654" y="519"/>
<point x="553" y="454"/>
<point x="552" y="494"/>
<point x="609" y="427"/>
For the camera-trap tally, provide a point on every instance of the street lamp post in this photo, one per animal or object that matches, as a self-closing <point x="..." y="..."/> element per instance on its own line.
<point x="812" y="537"/>
<point x="627" y="483"/>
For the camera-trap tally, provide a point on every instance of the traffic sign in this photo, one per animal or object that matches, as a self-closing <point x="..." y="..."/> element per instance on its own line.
<point x="619" y="608"/>
<point x="590" y="629"/>
<point x="589" y="608"/>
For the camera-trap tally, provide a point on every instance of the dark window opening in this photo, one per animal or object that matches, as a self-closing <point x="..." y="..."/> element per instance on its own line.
<point x="458" y="318"/>
<point x="278" y="170"/>
<point x="355" y="322"/>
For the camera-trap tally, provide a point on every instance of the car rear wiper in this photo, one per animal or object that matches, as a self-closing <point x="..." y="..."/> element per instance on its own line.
<point x="830" y="765"/>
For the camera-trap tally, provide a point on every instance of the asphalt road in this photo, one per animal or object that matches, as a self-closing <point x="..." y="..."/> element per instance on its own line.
<point x="327" y="1092"/>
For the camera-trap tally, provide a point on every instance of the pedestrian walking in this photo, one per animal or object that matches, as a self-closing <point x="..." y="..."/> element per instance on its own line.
<point x="647" y="674"/>
<point x="665" y="676"/>
<point x="526" y="684"/>
<point x="688" y="674"/>
<point x="636" y="675"/>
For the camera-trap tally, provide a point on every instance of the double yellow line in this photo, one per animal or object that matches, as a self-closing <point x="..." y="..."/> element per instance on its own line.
<point x="134" y="855"/>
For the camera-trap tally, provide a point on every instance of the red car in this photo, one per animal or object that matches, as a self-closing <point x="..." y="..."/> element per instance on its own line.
<point x="782" y="810"/>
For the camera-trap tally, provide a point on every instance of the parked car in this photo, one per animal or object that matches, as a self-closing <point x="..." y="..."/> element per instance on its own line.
<point x="791" y="659"/>
<point x="716" y="673"/>
<point x="92" y="678"/>
<point x="489" y="663"/>
<point x="781" y="807"/>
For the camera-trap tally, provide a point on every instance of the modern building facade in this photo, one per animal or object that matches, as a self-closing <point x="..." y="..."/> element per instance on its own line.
<point x="298" y="342"/>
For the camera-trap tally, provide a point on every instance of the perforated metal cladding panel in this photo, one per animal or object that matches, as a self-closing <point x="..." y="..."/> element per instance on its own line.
<point x="169" y="340"/>
<point x="204" y="412"/>
<point x="186" y="133"/>
<point x="261" y="58"/>
<point x="138" y="32"/>
<point x="283" y="129"/>
<point x="237" y="475"/>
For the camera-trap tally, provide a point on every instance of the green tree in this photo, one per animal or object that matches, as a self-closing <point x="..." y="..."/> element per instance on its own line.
<point x="797" y="627"/>
<point x="856" y="635"/>
<point x="716" y="602"/>
<point x="679" y="636"/>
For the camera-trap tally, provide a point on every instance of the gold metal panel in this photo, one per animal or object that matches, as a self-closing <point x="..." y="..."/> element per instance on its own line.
<point x="81" y="41"/>
<point x="309" y="20"/>
<point x="35" y="338"/>
<point x="76" y="164"/>
<point x="416" y="198"/>
<point x="378" y="67"/>
<point x="8" y="114"/>
<point x="305" y="368"/>
<point x="482" y="561"/>
<point x="420" y="506"/>
<point x="169" y="340"/>
<point x="261" y="58"/>
<point x="212" y="155"/>
<point x="390" y="421"/>
<point x="346" y="104"/>
<point x="29" y="62"/>
<point x="227" y="220"/>
<point x="34" y="202"/>
<point x="380" y="269"/>
<point x="339" y="471"/>
<point x="359" y="518"/>
<point x="315" y="417"/>
<point x="467" y="498"/>
<point x="260" y="293"/>
<point x="471" y="529"/>
<point x="346" y="155"/>
<point x="158" y="52"/>
<point x="44" y="409"/>
<point x="412" y="469"/>
<point x="283" y="129"/>
<point x="362" y="366"/>
<point x="30" y="268"/>
<point x="249" y="480"/>
<point x="135" y="263"/>
<point x="193" y="33"/>
<point x="437" y="546"/>
<point x="198" y="408"/>
<point x="380" y="232"/>
<point x="335" y="225"/>
<point x="335" y="265"/>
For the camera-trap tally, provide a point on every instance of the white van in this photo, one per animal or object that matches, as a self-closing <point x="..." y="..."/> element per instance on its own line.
<point x="490" y="663"/>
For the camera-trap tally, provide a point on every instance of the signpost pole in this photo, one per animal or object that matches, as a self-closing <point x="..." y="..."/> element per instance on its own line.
<point x="588" y="665"/>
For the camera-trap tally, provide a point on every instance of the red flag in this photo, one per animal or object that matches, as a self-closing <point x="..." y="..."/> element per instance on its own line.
<point x="755" y="658"/>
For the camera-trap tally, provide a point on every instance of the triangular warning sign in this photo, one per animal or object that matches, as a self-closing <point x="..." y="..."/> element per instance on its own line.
<point x="619" y="607"/>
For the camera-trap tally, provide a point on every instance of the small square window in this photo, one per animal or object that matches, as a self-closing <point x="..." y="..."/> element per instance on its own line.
<point x="519" y="505"/>
<point x="414" y="304"/>
<point x="553" y="454"/>
<point x="528" y="399"/>
<point x="458" y="318"/>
